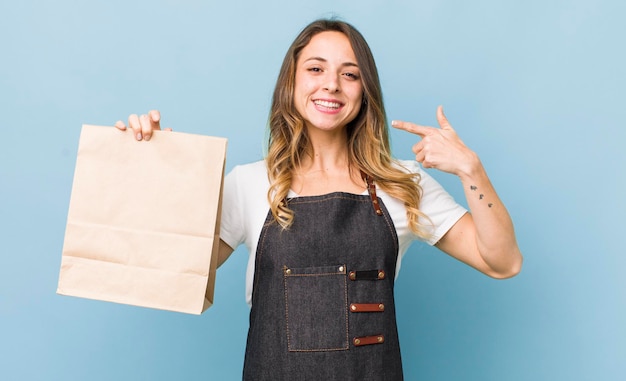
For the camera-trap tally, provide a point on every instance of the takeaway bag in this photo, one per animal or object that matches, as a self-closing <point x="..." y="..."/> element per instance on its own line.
<point x="143" y="220"/>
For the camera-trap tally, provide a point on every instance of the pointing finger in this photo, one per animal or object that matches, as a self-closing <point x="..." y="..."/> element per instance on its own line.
<point x="411" y="127"/>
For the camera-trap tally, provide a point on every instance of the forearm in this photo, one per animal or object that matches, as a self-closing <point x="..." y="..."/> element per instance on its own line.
<point x="494" y="232"/>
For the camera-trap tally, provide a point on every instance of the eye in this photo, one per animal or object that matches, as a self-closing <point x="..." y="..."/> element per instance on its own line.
<point x="315" y="69"/>
<point x="352" y="76"/>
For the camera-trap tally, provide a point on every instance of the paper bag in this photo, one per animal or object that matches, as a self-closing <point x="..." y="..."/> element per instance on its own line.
<point x="143" y="219"/>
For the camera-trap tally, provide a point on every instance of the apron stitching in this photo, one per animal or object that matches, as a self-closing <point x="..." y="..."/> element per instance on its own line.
<point x="331" y="196"/>
<point x="345" y="286"/>
<point x="286" y="310"/>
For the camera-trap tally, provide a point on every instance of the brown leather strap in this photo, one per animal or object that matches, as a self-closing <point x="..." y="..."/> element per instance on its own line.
<point x="367" y="307"/>
<point x="368" y="340"/>
<point x="371" y="189"/>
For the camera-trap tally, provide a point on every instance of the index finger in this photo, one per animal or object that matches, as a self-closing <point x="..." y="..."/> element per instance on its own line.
<point x="412" y="127"/>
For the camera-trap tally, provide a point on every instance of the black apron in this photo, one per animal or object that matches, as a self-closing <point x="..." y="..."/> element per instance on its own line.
<point x="322" y="300"/>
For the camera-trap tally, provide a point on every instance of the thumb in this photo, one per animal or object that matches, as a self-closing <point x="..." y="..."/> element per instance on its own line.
<point x="442" y="120"/>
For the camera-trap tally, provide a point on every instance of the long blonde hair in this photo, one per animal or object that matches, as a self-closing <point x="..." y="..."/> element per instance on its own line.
<point x="368" y="136"/>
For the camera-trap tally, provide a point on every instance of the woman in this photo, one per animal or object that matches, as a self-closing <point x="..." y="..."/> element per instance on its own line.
<point x="328" y="215"/>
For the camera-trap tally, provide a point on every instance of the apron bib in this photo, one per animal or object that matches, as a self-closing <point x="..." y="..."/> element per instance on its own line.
<point x="322" y="300"/>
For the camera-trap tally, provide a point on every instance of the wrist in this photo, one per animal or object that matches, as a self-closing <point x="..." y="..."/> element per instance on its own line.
<point x="472" y="167"/>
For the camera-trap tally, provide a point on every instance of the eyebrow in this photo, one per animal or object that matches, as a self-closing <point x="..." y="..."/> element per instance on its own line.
<point x="325" y="60"/>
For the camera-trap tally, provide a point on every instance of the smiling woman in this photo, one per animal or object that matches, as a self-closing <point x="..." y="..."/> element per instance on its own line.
<point x="328" y="91"/>
<point x="328" y="95"/>
<point x="328" y="215"/>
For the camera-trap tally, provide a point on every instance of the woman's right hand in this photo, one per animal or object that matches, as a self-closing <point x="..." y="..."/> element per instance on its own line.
<point x="143" y="125"/>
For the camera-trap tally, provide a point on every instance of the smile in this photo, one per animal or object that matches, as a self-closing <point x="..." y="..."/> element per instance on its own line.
<point x="327" y="104"/>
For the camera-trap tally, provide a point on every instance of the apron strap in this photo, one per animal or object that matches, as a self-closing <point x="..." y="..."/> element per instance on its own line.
<point x="371" y="189"/>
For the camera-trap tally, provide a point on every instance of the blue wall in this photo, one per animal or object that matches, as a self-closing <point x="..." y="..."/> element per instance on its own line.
<point x="535" y="87"/>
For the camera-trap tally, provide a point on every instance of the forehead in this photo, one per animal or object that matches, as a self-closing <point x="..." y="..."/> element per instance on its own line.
<point x="329" y="46"/>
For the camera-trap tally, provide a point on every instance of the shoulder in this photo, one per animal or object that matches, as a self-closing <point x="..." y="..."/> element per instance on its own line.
<point x="248" y="174"/>
<point x="425" y="180"/>
<point x="436" y="203"/>
<point x="407" y="165"/>
<point x="257" y="167"/>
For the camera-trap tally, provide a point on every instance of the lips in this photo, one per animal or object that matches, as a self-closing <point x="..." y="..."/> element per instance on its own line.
<point x="327" y="105"/>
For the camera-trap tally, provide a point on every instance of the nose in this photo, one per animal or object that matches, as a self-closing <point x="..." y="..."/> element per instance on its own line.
<point x="332" y="83"/>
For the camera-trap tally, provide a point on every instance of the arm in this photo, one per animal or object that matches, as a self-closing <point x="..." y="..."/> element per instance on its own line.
<point x="485" y="238"/>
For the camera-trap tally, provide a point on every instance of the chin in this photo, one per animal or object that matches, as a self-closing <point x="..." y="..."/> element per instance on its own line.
<point x="325" y="126"/>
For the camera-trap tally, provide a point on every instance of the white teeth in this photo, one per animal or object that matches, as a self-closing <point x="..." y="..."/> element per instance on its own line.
<point x="328" y="104"/>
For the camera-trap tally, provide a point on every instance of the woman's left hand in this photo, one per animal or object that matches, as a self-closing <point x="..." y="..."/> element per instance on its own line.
<point x="440" y="148"/>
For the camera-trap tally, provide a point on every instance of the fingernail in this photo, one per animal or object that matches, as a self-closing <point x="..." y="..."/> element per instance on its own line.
<point x="147" y="138"/>
<point x="394" y="123"/>
<point x="139" y="136"/>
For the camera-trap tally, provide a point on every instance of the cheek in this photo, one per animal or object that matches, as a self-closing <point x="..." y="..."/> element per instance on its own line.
<point x="302" y="87"/>
<point x="299" y="98"/>
<point x="301" y="79"/>
<point x="355" y="91"/>
<point x="356" y="94"/>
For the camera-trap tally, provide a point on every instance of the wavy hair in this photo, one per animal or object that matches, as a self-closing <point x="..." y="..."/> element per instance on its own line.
<point x="368" y="135"/>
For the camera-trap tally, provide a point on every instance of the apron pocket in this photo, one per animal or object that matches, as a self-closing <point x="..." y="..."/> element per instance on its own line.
<point x="316" y="308"/>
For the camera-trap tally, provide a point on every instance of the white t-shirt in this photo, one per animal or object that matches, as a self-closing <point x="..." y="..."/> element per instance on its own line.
<point x="245" y="208"/>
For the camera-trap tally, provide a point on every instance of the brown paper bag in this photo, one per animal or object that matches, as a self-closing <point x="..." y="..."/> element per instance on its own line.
<point x="143" y="220"/>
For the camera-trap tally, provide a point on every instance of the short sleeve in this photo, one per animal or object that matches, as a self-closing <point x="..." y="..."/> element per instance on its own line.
<point x="232" y="227"/>
<point x="436" y="203"/>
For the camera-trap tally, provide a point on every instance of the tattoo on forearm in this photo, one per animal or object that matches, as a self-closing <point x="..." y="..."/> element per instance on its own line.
<point x="480" y="196"/>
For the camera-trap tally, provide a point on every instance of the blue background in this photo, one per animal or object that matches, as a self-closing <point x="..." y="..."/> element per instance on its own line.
<point x="535" y="87"/>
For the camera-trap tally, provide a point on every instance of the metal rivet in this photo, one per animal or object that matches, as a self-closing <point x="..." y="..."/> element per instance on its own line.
<point x="381" y="307"/>
<point x="352" y="275"/>
<point x="380" y="339"/>
<point x="340" y="269"/>
<point x="357" y="341"/>
<point x="381" y="275"/>
<point x="353" y="307"/>
<point x="288" y="271"/>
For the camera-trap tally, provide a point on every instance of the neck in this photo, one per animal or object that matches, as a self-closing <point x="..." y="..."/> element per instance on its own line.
<point x="329" y="150"/>
<point x="327" y="168"/>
